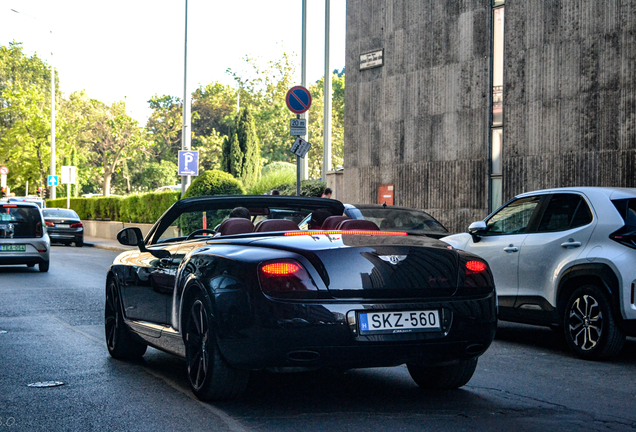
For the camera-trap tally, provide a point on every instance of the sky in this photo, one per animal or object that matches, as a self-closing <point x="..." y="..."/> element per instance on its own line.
<point x="133" y="49"/>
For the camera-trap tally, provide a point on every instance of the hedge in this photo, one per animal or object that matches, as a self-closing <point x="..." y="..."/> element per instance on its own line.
<point x="141" y="208"/>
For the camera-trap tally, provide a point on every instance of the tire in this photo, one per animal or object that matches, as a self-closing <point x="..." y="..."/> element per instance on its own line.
<point x="444" y="377"/>
<point x="43" y="266"/>
<point x="79" y="243"/>
<point x="590" y="326"/>
<point x="209" y="375"/>
<point x="119" y="340"/>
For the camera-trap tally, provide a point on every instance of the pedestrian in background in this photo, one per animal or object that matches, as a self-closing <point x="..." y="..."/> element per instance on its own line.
<point x="327" y="193"/>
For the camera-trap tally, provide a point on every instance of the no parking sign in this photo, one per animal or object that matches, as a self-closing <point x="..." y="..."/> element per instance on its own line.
<point x="298" y="99"/>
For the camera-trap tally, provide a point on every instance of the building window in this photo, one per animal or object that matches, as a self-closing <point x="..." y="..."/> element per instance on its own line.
<point x="496" y="126"/>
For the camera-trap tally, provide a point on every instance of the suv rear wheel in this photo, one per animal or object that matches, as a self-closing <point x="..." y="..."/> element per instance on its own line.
<point x="589" y="325"/>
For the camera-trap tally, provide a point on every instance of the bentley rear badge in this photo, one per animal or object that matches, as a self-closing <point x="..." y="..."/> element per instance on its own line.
<point x="392" y="259"/>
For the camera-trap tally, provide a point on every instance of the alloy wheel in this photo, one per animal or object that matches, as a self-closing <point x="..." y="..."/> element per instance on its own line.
<point x="112" y="316"/>
<point x="585" y="323"/>
<point x="198" y="345"/>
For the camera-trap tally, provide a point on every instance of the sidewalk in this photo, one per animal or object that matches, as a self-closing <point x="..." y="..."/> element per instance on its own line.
<point x="103" y="243"/>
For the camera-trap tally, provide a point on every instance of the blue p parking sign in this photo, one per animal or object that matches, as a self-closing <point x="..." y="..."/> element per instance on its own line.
<point x="188" y="163"/>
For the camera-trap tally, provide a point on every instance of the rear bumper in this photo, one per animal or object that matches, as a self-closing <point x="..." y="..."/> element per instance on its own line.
<point x="24" y="259"/>
<point x="326" y="335"/>
<point x="66" y="235"/>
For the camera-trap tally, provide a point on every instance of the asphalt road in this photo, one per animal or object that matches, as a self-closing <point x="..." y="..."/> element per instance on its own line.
<point x="51" y="329"/>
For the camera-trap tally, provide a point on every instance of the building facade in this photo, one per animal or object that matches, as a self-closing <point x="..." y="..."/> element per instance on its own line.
<point x="463" y="104"/>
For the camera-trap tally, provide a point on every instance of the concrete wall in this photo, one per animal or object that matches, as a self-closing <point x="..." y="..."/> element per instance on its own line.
<point x="569" y="94"/>
<point x="419" y="122"/>
<point x="109" y="230"/>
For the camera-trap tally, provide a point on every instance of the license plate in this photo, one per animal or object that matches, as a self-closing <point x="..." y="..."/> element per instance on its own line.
<point x="62" y="225"/>
<point x="13" y="248"/>
<point x="398" y="322"/>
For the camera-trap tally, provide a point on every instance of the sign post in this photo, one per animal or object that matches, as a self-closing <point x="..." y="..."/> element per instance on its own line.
<point x="69" y="177"/>
<point x="298" y="100"/>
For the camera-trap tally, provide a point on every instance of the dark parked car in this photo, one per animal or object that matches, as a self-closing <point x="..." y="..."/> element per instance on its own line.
<point x="394" y="218"/>
<point x="23" y="237"/>
<point x="260" y="293"/>
<point x="64" y="226"/>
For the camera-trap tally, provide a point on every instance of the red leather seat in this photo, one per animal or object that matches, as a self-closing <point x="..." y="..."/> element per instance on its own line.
<point x="332" y="221"/>
<point x="358" y="224"/>
<point x="276" y="225"/>
<point x="236" y="226"/>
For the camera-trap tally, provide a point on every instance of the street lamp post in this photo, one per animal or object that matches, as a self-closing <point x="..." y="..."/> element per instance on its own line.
<point x="185" y="131"/>
<point x="52" y="170"/>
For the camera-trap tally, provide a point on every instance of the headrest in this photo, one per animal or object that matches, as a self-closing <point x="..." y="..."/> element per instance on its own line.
<point x="358" y="224"/>
<point x="318" y="218"/>
<point x="236" y="226"/>
<point x="276" y="225"/>
<point x="332" y="221"/>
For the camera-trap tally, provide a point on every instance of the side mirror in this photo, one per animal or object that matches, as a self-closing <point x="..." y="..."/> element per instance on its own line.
<point x="133" y="237"/>
<point x="130" y="236"/>
<point x="475" y="229"/>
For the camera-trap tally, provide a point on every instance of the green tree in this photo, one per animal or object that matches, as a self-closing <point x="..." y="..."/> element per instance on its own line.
<point x="249" y="145"/>
<point x="164" y="127"/>
<point x="25" y="112"/>
<point x="213" y="109"/>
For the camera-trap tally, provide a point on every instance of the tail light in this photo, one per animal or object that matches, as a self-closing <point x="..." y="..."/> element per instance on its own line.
<point x="77" y="225"/>
<point x="38" y="230"/>
<point x="477" y="275"/>
<point x="625" y="236"/>
<point x="49" y="224"/>
<point x="475" y="267"/>
<point x="286" y="279"/>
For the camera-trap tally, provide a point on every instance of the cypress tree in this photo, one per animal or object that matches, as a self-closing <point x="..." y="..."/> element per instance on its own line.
<point x="250" y="147"/>
<point x="236" y="157"/>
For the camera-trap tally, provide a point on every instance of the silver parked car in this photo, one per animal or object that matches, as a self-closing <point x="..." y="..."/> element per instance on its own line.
<point x="23" y="236"/>
<point x="564" y="258"/>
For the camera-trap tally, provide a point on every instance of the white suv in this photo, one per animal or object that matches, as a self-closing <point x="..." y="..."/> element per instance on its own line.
<point x="564" y="258"/>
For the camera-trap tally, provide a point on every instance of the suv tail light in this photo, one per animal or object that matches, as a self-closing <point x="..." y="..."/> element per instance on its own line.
<point x="77" y="225"/>
<point x="38" y="230"/>
<point x="625" y="236"/>
<point x="286" y="279"/>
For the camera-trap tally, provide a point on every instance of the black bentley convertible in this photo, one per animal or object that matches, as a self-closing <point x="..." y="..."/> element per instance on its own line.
<point x="236" y="294"/>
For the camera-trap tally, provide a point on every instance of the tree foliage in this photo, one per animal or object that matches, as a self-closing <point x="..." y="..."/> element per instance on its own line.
<point x="114" y="153"/>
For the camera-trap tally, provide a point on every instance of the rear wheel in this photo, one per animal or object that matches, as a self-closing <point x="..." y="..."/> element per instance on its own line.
<point x="119" y="341"/>
<point x="590" y="326"/>
<point x="79" y="243"/>
<point x="43" y="266"/>
<point x="210" y="377"/>
<point x="443" y="377"/>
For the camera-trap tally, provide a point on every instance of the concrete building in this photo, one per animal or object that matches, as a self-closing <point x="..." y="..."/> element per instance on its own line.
<point x="462" y="104"/>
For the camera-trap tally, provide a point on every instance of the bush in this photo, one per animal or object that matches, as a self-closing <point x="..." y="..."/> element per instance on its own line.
<point x="279" y="166"/>
<point x="308" y="188"/>
<point x="271" y="180"/>
<point x="214" y="183"/>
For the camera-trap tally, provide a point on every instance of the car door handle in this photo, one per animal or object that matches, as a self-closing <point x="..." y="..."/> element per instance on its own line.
<point x="571" y="244"/>
<point x="511" y="248"/>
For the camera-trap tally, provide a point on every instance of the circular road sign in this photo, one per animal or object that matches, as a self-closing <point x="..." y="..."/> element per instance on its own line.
<point x="298" y="99"/>
<point x="4" y="170"/>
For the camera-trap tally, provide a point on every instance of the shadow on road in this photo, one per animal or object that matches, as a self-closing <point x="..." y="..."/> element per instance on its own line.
<point x="553" y="341"/>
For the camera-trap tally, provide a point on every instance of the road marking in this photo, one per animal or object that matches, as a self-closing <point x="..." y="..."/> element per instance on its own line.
<point x="232" y="424"/>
